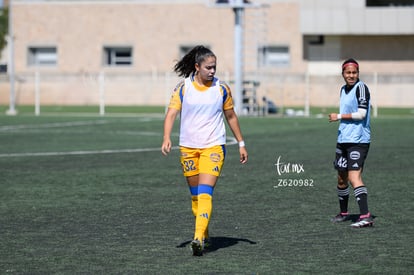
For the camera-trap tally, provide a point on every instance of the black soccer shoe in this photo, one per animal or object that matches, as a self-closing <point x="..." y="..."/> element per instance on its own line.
<point x="364" y="222"/>
<point x="340" y="218"/>
<point x="197" y="248"/>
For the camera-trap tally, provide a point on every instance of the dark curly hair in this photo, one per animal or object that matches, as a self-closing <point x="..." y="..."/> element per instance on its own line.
<point x="186" y="66"/>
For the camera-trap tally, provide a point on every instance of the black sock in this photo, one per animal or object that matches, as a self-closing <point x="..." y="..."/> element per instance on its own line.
<point x="361" y="195"/>
<point x="343" y="196"/>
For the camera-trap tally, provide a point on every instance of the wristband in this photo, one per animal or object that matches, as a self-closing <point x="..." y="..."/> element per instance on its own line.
<point x="241" y="143"/>
<point x="339" y="116"/>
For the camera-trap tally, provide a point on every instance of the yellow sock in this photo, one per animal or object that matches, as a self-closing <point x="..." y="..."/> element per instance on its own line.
<point x="194" y="208"/>
<point x="194" y="205"/>
<point x="205" y="205"/>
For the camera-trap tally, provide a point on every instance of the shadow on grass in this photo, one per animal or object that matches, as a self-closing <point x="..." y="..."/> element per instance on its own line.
<point x="217" y="243"/>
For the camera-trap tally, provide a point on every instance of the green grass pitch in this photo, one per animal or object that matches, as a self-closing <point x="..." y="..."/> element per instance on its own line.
<point x="89" y="194"/>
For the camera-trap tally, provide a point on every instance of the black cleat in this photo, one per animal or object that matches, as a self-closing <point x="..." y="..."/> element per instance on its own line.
<point x="197" y="248"/>
<point x="341" y="217"/>
<point x="364" y="222"/>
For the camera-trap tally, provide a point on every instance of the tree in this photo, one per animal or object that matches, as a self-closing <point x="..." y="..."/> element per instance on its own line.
<point x="4" y="26"/>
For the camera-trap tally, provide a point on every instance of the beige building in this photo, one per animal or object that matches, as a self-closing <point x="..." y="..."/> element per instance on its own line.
<point x="122" y="52"/>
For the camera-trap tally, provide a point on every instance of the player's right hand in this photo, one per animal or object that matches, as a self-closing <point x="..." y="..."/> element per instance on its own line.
<point x="166" y="147"/>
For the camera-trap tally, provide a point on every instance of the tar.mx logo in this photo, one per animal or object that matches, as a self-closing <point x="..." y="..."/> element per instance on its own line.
<point x="284" y="168"/>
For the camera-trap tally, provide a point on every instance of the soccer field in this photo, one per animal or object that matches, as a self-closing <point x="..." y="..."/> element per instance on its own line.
<point x="86" y="194"/>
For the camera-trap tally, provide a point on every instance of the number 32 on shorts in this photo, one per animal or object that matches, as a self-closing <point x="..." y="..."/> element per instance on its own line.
<point x="188" y="165"/>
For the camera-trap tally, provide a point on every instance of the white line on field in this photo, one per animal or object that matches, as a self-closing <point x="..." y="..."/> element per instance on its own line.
<point x="52" y="125"/>
<point x="63" y="124"/>
<point x="231" y="141"/>
<point x="42" y="154"/>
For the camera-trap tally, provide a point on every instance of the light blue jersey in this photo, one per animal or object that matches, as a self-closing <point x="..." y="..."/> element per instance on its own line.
<point x="354" y="131"/>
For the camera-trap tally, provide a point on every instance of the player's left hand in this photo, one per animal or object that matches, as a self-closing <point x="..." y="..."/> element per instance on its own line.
<point x="243" y="155"/>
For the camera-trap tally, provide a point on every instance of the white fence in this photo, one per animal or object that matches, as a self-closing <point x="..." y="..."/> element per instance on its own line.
<point x="120" y="89"/>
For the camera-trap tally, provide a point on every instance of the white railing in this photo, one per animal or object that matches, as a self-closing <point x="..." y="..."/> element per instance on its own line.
<point x="116" y="89"/>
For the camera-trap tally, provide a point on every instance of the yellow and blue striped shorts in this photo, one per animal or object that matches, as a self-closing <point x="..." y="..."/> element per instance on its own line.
<point x="202" y="161"/>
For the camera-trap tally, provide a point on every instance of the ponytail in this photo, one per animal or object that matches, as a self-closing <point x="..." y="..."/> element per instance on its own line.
<point x="186" y="66"/>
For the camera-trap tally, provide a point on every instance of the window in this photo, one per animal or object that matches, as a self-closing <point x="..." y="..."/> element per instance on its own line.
<point x="42" y="56"/>
<point x="118" y="56"/>
<point x="274" y="56"/>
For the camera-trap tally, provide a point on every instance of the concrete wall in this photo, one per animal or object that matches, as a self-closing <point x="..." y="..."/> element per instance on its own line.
<point x="156" y="30"/>
<point x="352" y="17"/>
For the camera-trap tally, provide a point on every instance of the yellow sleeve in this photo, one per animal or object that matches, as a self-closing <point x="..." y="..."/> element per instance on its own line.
<point x="228" y="103"/>
<point x="175" y="101"/>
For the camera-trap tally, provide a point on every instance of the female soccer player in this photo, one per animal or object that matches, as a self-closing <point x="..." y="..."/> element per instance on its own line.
<point x="202" y="100"/>
<point x="354" y="137"/>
